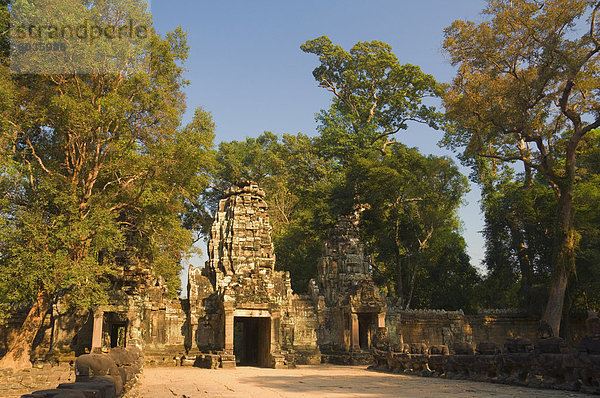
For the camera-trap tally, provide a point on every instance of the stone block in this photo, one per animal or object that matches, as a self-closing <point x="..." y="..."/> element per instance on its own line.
<point x="97" y="387"/>
<point x="227" y="364"/>
<point x="57" y="393"/>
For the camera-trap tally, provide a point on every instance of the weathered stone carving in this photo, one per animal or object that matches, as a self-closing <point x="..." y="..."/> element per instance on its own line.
<point x="350" y="306"/>
<point x="240" y="237"/>
<point x="548" y="365"/>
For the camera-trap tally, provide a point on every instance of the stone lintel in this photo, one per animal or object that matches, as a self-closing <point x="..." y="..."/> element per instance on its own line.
<point x="252" y="313"/>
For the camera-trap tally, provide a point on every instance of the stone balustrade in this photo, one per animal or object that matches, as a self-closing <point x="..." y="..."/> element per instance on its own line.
<point x="546" y="363"/>
<point x="100" y="375"/>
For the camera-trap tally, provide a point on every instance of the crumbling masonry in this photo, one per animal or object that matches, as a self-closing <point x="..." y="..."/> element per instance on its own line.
<point x="240" y="310"/>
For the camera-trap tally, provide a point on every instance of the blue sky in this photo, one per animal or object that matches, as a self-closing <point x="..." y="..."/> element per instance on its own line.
<point x="247" y="69"/>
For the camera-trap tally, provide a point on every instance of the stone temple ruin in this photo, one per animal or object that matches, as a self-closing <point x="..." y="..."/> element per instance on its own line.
<point x="350" y="307"/>
<point x="245" y="313"/>
<point x="240" y="310"/>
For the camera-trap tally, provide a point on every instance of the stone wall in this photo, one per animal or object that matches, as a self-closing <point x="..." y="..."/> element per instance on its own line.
<point x="496" y="326"/>
<point x="40" y="377"/>
<point x="305" y="323"/>
<point x="430" y="327"/>
<point x="434" y="327"/>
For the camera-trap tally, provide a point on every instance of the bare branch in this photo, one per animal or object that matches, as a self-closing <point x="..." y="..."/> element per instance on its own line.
<point x="423" y="244"/>
<point x="382" y="149"/>
<point x="331" y="88"/>
<point x="39" y="160"/>
<point x="563" y="102"/>
<point x="401" y="200"/>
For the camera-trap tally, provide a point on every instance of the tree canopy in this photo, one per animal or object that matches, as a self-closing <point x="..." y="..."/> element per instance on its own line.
<point x="374" y="95"/>
<point x="94" y="166"/>
<point x="526" y="91"/>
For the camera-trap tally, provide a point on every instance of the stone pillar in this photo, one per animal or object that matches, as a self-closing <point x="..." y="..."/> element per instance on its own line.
<point x="227" y="358"/>
<point x="355" y="338"/>
<point x="229" y="331"/>
<point x="381" y="320"/>
<point x="97" y="331"/>
<point x="190" y="342"/>
<point x="275" y="326"/>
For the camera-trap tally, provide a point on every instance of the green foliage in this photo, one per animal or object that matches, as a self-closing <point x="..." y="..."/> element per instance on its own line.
<point x="94" y="166"/>
<point x="584" y="292"/>
<point x="446" y="279"/>
<point x="409" y="201"/>
<point x="374" y="96"/>
<point x="519" y="230"/>
<point x="519" y="222"/>
<point x="526" y="91"/>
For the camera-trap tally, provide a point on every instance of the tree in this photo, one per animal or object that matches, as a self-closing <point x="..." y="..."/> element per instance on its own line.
<point x="446" y="279"/>
<point x="409" y="200"/>
<point x="374" y="96"/>
<point x="526" y="91"/>
<point x="519" y="234"/>
<point x="585" y="289"/>
<point x="93" y="165"/>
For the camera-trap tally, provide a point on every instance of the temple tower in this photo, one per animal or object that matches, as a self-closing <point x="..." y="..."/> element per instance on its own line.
<point x="350" y="306"/>
<point x="254" y="299"/>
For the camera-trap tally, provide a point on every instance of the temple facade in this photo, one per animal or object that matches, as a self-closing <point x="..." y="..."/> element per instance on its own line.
<point x="241" y="310"/>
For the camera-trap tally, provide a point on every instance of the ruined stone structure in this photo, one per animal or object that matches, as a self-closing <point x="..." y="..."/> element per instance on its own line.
<point x="543" y="363"/>
<point x="350" y="306"/>
<point x="248" y="308"/>
<point x="240" y="310"/>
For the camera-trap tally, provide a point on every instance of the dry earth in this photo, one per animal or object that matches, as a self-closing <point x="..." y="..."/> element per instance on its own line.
<point x="314" y="381"/>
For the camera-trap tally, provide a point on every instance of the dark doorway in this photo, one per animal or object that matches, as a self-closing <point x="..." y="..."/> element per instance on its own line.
<point x="118" y="335"/>
<point x="251" y="341"/>
<point x="367" y="324"/>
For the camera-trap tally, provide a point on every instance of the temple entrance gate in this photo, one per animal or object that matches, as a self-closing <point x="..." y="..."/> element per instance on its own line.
<point x="367" y="327"/>
<point x="252" y="341"/>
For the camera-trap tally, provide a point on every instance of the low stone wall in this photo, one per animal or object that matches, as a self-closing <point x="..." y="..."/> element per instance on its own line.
<point x="40" y="377"/>
<point x="428" y="326"/>
<point x="434" y="327"/>
<point x="164" y="355"/>
<point x="548" y="366"/>
<point x="496" y="325"/>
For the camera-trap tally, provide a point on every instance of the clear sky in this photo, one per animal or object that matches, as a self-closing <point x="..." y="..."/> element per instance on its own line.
<point x="247" y="69"/>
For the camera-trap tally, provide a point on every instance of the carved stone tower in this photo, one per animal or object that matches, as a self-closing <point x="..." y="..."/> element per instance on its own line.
<point x="254" y="300"/>
<point x="349" y="304"/>
<point x="240" y="237"/>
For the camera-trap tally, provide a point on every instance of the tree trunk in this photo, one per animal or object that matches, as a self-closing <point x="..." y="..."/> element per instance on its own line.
<point x="520" y="248"/>
<point x="554" y="307"/>
<point x="412" y="285"/>
<point x="19" y="354"/>
<point x="564" y="260"/>
<point x="399" y="290"/>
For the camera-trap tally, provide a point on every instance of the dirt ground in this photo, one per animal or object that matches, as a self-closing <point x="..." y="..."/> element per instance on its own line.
<point x="322" y="381"/>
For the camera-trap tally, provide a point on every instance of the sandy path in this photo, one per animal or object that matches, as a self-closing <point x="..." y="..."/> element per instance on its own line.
<point x="314" y="381"/>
